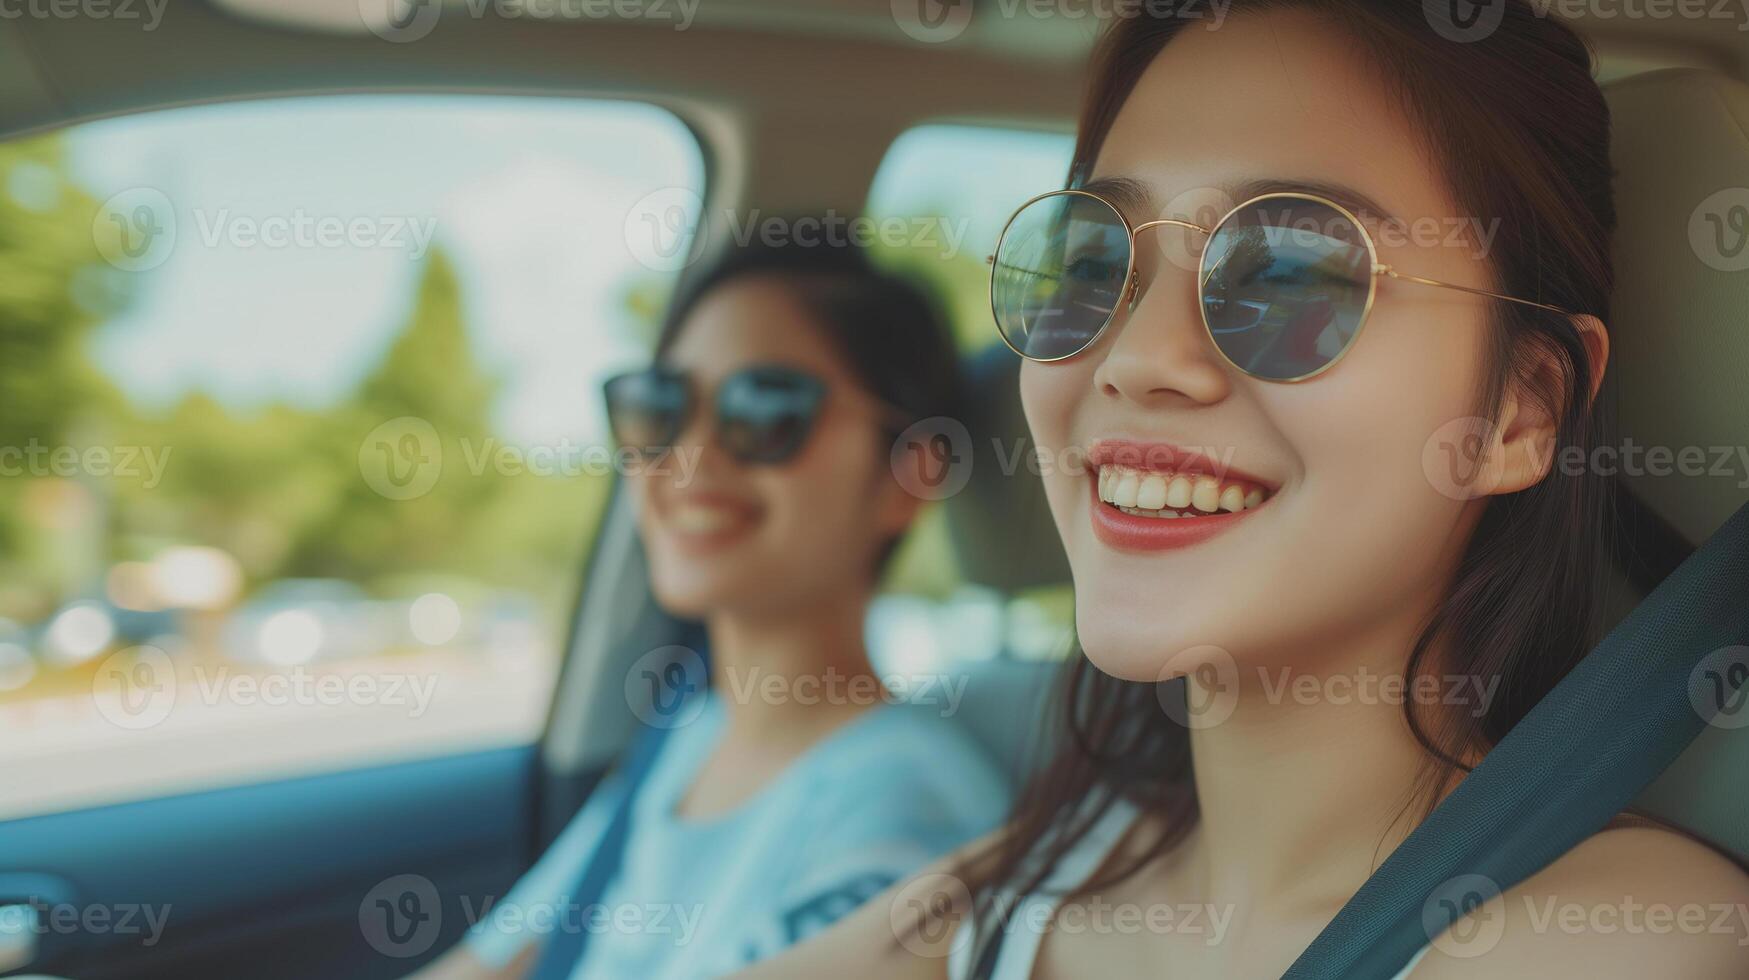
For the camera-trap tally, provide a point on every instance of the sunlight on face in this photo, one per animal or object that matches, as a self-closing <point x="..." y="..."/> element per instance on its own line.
<point x="1353" y="538"/>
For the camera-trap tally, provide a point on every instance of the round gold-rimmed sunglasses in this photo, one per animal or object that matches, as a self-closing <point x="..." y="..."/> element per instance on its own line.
<point x="1286" y="279"/>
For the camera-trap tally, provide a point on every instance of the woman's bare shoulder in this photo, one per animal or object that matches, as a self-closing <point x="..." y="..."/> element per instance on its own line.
<point x="1632" y="901"/>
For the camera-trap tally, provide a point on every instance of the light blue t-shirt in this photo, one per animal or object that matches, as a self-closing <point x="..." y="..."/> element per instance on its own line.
<point x="866" y="805"/>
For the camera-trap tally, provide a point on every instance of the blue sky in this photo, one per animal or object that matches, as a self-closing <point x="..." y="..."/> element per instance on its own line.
<point x="528" y="196"/>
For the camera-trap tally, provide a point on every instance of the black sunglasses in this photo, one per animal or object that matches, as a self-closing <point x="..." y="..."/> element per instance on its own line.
<point x="763" y="413"/>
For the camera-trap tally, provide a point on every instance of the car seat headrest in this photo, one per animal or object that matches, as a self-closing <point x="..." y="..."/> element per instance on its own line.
<point x="1679" y="334"/>
<point x="1000" y="524"/>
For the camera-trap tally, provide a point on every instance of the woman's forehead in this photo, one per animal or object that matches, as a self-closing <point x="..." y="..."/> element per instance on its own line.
<point x="752" y="320"/>
<point x="1236" y="112"/>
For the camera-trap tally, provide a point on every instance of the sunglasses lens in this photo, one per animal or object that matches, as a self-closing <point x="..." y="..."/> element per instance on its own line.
<point x="1286" y="282"/>
<point x="764" y="414"/>
<point x="646" y="409"/>
<point x="1059" y="274"/>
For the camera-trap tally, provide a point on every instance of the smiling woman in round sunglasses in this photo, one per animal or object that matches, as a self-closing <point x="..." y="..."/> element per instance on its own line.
<point x="1319" y="475"/>
<point x="768" y="507"/>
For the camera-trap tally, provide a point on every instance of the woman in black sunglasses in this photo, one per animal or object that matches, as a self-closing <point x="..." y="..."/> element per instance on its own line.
<point x="768" y="507"/>
<point x="1324" y="558"/>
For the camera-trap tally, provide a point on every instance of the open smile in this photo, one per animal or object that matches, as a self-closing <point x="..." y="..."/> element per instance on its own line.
<point x="1153" y="497"/>
<point x="701" y="522"/>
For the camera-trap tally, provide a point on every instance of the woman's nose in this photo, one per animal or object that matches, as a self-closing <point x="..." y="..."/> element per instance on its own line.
<point x="1157" y="348"/>
<point x="698" y="438"/>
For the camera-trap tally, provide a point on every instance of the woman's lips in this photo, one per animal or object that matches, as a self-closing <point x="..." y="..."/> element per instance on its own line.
<point x="699" y="523"/>
<point x="1152" y="497"/>
<point x="1133" y="532"/>
<point x="1165" y="457"/>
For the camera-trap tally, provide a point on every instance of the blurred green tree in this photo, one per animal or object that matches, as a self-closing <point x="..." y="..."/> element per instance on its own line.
<point x="54" y="287"/>
<point x="428" y="376"/>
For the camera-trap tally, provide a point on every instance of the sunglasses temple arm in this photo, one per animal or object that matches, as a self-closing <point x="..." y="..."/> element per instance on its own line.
<point x="1386" y="270"/>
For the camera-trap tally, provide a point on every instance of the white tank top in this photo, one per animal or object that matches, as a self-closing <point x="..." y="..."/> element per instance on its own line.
<point x="1019" y="945"/>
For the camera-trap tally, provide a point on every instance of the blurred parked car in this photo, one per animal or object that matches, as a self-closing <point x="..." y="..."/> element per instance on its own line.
<point x="301" y="621"/>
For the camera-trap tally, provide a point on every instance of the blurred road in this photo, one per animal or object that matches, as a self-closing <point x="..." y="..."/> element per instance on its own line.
<point x="219" y="725"/>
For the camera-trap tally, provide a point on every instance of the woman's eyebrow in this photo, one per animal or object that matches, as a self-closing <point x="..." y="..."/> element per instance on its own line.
<point x="1354" y="200"/>
<point x="1135" y="199"/>
<point x="1132" y="197"/>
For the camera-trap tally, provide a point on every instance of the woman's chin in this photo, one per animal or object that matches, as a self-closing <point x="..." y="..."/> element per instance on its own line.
<point x="1134" y="649"/>
<point x="688" y="594"/>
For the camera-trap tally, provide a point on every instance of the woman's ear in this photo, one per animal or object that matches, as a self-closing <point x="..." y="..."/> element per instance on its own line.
<point x="897" y="506"/>
<point x="1595" y="337"/>
<point x="1522" y="446"/>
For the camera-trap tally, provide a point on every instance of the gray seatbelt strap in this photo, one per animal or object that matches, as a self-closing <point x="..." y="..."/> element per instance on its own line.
<point x="1573" y="762"/>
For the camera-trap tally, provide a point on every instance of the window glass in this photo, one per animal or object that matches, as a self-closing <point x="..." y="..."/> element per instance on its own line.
<point x="302" y="445"/>
<point x="951" y="188"/>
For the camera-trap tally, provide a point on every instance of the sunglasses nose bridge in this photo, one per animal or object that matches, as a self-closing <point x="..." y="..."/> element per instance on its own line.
<point x="695" y="429"/>
<point x="1133" y="292"/>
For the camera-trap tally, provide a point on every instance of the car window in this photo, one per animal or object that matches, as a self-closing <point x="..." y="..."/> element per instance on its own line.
<point x="943" y="193"/>
<point x="951" y="188"/>
<point x="303" y="445"/>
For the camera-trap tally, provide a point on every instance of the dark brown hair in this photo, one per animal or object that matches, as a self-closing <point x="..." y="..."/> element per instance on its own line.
<point x="1521" y="134"/>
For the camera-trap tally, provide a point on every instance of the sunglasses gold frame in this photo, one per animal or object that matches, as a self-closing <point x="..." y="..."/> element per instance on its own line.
<point x="1129" y="290"/>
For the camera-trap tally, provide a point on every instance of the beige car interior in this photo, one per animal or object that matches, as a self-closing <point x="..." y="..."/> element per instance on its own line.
<point x="795" y="102"/>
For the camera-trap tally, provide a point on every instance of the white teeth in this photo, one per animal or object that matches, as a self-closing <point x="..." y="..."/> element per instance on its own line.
<point x="1179" y="493"/>
<point x="1206" y="496"/>
<point x="1139" y="512"/>
<point x="1124" y="494"/>
<point x="1152" y="495"/>
<point x="1143" y="493"/>
<point x="1232" y="498"/>
<point x="699" y="520"/>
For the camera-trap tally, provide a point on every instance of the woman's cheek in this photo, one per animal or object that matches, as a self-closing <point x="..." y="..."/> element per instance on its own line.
<point x="1050" y="396"/>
